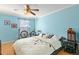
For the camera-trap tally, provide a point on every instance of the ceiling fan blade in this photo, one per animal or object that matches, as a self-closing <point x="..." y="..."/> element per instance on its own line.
<point x="32" y="13"/>
<point x="35" y="9"/>
<point x="28" y="6"/>
<point x="19" y="10"/>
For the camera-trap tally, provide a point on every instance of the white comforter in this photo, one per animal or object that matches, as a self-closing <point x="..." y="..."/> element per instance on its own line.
<point x="35" y="46"/>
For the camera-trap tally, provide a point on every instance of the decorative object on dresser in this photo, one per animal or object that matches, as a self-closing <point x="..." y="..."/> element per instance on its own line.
<point x="71" y="34"/>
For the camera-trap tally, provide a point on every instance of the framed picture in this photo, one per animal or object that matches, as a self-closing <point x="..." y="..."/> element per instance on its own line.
<point x="6" y="22"/>
<point x="13" y="25"/>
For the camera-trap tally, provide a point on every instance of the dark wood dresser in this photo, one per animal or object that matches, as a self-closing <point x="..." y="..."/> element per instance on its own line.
<point x="71" y="44"/>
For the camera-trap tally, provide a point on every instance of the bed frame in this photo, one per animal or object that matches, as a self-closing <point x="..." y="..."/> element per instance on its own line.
<point x="56" y="51"/>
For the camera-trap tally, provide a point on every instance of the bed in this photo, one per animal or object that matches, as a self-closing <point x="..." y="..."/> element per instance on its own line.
<point x="37" y="45"/>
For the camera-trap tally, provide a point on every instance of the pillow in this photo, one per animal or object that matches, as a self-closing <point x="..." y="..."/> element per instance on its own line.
<point x="40" y="35"/>
<point x="44" y="35"/>
<point x="55" y="37"/>
<point x="47" y="36"/>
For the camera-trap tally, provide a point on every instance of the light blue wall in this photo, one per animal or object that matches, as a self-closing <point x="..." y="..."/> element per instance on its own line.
<point x="59" y="22"/>
<point x="6" y="32"/>
<point x="32" y="24"/>
<point x="11" y="34"/>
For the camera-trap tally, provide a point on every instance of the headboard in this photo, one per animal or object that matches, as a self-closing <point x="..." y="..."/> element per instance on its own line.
<point x="0" y="47"/>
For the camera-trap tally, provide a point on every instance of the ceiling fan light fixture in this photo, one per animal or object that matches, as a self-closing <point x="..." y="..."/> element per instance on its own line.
<point x="27" y="10"/>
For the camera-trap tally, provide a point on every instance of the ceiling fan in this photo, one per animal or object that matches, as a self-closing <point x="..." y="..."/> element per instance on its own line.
<point x="27" y="9"/>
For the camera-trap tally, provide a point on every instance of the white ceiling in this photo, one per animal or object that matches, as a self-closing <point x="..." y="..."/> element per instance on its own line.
<point x="44" y="9"/>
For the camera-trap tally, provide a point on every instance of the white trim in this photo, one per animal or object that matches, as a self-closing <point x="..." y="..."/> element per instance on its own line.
<point x="57" y="10"/>
<point x="11" y="13"/>
<point x="8" y="42"/>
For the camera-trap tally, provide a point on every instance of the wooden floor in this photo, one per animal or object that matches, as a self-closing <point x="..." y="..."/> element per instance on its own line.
<point x="62" y="52"/>
<point x="7" y="49"/>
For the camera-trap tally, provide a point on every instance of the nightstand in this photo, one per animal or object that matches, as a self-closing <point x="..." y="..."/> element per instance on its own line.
<point x="69" y="46"/>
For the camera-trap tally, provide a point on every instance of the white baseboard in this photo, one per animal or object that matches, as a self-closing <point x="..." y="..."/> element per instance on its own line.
<point x="8" y="42"/>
